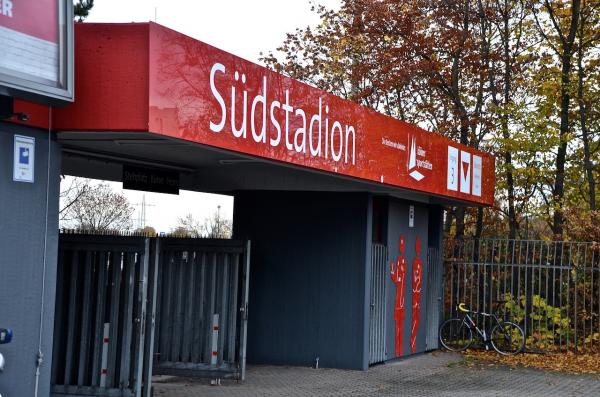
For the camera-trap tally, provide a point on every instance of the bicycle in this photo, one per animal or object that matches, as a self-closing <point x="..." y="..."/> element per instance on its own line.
<point x="506" y="337"/>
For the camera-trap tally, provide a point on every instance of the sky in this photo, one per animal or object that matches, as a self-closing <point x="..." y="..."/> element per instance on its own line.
<point x="242" y="27"/>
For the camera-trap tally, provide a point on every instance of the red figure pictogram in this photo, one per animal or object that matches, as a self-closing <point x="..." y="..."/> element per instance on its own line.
<point x="398" y="272"/>
<point x="417" y="279"/>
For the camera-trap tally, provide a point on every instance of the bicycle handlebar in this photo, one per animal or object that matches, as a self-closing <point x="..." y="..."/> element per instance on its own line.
<point x="462" y="307"/>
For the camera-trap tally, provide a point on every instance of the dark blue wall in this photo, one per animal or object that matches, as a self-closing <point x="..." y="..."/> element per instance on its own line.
<point x="307" y="277"/>
<point x="22" y="231"/>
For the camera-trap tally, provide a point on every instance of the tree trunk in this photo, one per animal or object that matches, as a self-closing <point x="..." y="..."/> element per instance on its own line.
<point x="510" y="182"/>
<point x="459" y="214"/>
<point x="587" y="162"/>
<point x="510" y="187"/>
<point x="479" y="224"/>
<point x="565" y="80"/>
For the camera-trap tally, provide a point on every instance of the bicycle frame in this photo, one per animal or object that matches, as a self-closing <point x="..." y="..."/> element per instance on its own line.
<point x="481" y="331"/>
<point x="468" y="320"/>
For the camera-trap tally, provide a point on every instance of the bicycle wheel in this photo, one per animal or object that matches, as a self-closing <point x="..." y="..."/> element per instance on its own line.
<point x="507" y="338"/>
<point x="455" y="335"/>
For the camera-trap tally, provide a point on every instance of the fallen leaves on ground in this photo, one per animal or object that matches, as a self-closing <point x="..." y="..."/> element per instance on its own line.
<point x="588" y="363"/>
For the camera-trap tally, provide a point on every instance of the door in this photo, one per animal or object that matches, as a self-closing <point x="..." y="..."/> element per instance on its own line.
<point x="377" y="334"/>
<point x="202" y="308"/>
<point x="99" y="325"/>
<point x="434" y="298"/>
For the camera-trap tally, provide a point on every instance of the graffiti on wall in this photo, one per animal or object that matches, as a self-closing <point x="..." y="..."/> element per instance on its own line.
<point x="417" y="279"/>
<point x="398" y="273"/>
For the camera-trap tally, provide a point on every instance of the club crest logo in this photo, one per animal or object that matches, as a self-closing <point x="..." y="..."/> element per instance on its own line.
<point x="413" y="164"/>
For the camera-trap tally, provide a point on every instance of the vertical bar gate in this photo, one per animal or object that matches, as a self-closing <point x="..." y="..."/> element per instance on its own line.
<point x="103" y="340"/>
<point x="377" y="326"/>
<point x="101" y="286"/>
<point x="202" y="298"/>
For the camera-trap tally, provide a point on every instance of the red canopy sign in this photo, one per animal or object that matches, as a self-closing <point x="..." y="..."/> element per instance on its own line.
<point x="205" y="95"/>
<point x="158" y="80"/>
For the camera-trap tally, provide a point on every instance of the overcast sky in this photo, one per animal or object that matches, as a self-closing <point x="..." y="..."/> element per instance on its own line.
<point x="241" y="27"/>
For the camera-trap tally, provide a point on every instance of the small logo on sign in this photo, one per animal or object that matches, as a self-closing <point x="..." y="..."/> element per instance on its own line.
<point x="412" y="160"/>
<point x="24" y="156"/>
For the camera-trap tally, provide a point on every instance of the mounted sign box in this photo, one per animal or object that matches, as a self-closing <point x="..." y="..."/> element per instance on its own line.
<point x="150" y="180"/>
<point x="36" y="42"/>
<point x="24" y="159"/>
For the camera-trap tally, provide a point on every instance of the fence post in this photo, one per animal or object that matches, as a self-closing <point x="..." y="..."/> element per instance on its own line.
<point x="150" y="322"/>
<point x="244" y="311"/>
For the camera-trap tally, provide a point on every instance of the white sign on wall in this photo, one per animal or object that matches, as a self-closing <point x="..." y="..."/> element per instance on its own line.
<point x="465" y="172"/>
<point x="24" y="159"/>
<point x="411" y="216"/>
<point x="452" y="168"/>
<point x="477" y="175"/>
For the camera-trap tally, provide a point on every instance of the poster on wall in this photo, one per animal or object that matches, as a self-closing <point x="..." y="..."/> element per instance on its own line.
<point x="36" y="41"/>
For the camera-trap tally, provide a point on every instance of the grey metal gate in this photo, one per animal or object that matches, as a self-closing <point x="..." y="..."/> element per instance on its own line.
<point x="103" y="339"/>
<point x="202" y="307"/>
<point x="99" y="317"/>
<point x="434" y="306"/>
<point x="379" y="274"/>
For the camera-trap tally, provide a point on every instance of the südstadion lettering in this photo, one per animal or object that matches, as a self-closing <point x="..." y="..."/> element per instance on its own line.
<point x="318" y="136"/>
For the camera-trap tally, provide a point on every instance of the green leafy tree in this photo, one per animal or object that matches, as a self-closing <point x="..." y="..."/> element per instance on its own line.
<point x="518" y="78"/>
<point x="82" y="8"/>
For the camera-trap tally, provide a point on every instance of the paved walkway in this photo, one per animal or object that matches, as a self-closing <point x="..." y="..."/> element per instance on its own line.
<point x="436" y="374"/>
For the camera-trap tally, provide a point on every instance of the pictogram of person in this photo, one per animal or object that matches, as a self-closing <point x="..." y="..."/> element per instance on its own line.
<point x="417" y="281"/>
<point x="398" y="273"/>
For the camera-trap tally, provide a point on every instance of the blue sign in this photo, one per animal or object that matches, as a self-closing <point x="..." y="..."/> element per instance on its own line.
<point x="24" y="155"/>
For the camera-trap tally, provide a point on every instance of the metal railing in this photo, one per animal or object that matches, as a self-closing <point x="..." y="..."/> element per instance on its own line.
<point x="550" y="288"/>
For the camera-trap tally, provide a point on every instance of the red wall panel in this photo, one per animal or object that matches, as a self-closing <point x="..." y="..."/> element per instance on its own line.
<point x="111" y="79"/>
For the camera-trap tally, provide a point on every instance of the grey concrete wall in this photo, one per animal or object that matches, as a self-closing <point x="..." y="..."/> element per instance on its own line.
<point x="307" y="278"/>
<point x="22" y="234"/>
